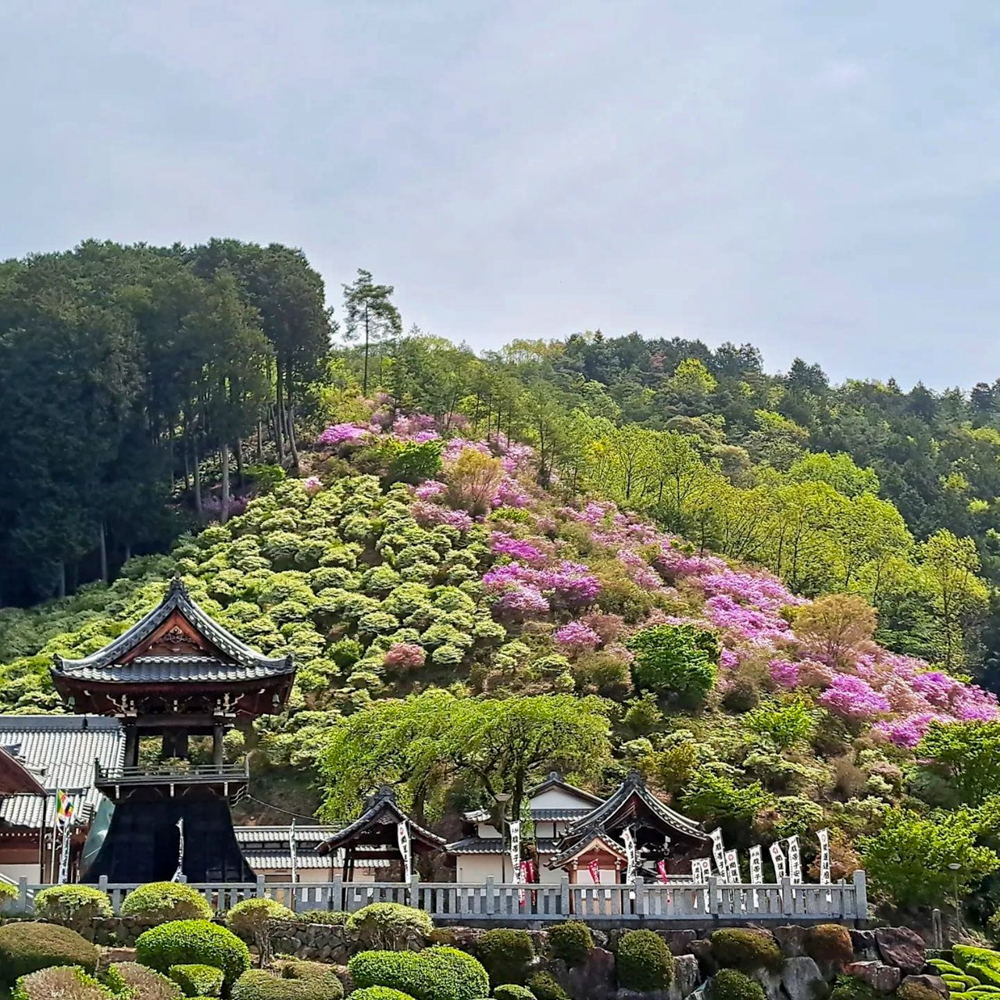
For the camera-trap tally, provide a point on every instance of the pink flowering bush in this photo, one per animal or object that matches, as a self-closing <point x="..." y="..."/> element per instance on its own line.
<point x="853" y="698"/>
<point x="577" y="636"/>
<point x="404" y="656"/>
<point x="503" y="544"/>
<point x="343" y="434"/>
<point x="312" y="484"/>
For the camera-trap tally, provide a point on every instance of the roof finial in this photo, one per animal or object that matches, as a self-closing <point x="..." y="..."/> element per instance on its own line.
<point x="176" y="585"/>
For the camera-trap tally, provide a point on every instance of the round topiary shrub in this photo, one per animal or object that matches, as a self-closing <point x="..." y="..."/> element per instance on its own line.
<point x="73" y="905"/>
<point x="511" y="991"/>
<point x="644" y="962"/>
<point x="571" y="941"/>
<point x="742" y="948"/>
<point x="544" y="987"/>
<point x="197" y="980"/>
<point x="731" y="984"/>
<point x="158" y="902"/>
<point x="829" y="943"/>
<point x="260" y="985"/>
<point x="193" y="942"/>
<point x="251" y="920"/>
<point x="505" y="954"/>
<point x="69" y="981"/>
<point x="28" y="946"/>
<point x="379" y="993"/>
<point x="439" y="973"/>
<point x="389" y="926"/>
<point x="144" y="983"/>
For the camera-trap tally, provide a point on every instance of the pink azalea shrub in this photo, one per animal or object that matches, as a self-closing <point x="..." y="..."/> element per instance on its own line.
<point x="577" y="636"/>
<point x="404" y="656"/>
<point x="853" y="698"/>
<point x="343" y="434"/>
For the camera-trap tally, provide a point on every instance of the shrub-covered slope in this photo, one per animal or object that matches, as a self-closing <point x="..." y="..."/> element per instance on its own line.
<point x="407" y="562"/>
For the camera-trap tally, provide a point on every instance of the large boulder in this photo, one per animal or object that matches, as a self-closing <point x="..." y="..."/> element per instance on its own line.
<point x="923" y="986"/>
<point x="702" y="950"/>
<point x="864" y="944"/>
<point x="770" y="979"/>
<point x="791" y="939"/>
<point x="687" y="976"/>
<point x="679" y="942"/>
<point x="901" y="947"/>
<point x="801" y="978"/>
<point x="880" y="977"/>
<point x="594" y="980"/>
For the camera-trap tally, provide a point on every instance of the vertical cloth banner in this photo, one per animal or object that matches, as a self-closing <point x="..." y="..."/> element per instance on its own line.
<point x="778" y="860"/>
<point x="629" y="841"/>
<point x="718" y="851"/>
<point x="756" y="872"/>
<point x="403" y="836"/>
<point x="701" y="869"/>
<point x="293" y="852"/>
<point x="661" y="868"/>
<point x="732" y="867"/>
<point x="515" y="849"/>
<point x="595" y="871"/>
<point x="824" y="856"/>
<point x="794" y="859"/>
<point x="64" y="808"/>
<point x="180" y="851"/>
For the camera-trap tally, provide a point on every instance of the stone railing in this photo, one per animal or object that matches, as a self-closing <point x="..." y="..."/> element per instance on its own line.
<point x="489" y="901"/>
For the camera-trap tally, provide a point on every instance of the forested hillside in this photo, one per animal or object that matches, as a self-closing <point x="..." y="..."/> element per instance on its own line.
<point x="641" y="541"/>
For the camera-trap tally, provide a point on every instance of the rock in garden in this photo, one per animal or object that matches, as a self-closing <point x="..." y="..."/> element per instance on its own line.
<point x="935" y="983"/>
<point x="879" y="976"/>
<point x="901" y="947"/>
<point x="801" y="978"/>
<point x="595" y="979"/>
<point x="791" y="940"/>
<point x="687" y="976"/>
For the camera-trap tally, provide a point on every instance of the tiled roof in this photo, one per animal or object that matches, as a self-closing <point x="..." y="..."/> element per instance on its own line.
<point x="380" y="806"/>
<point x="556" y="780"/>
<point x="244" y="663"/>
<point x="59" y="750"/>
<point x="265" y="861"/>
<point x="279" y="836"/>
<point x="493" y="845"/>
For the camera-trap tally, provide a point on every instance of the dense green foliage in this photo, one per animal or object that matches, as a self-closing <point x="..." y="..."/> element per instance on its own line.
<point x="505" y="954"/>
<point x="513" y="991"/>
<point x="256" y="984"/>
<point x="731" y="984"/>
<point x="67" y="982"/>
<point x="73" y="905"/>
<point x="572" y="942"/>
<point x="193" y="942"/>
<point x="389" y="926"/>
<point x="644" y="962"/>
<point x="27" y="947"/>
<point x="543" y="986"/>
<point x="198" y="980"/>
<point x="438" y="973"/>
<point x="379" y="993"/>
<point x="745" y="948"/>
<point x="829" y="943"/>
<point x="147" y="984"/>
<point x="675" y="660"/>
<point x="158" y="902"/>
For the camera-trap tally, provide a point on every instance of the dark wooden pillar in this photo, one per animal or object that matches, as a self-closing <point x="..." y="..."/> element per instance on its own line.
<point x="131" y="744"/>
<point x="218" y="747"/>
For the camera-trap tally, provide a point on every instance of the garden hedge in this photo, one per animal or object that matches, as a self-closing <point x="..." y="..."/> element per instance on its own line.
<point x="543" y="986"/>
<point x="438" y="973"/>
<point x="27" y="946"/>
<point x="379" y="993"/>
<point x="158" y="902"/>
<point x="644" y="962"/>
<point x="505" y="954"/>
<point x="256" y="984"/>
<point x="571" y="941"/>
<point x="742" y="948"/>
<point x="193" y="942"/>
<point x="73" y="905"/>
<point x="147" y="984"/>
<point x="511" y="991"/>
<point x="387" y="926"/>
<point x="198" y="980"/>
<point x="731" y="984"/>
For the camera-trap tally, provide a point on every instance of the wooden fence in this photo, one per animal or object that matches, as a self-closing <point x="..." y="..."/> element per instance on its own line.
<point x="492" y="901"/>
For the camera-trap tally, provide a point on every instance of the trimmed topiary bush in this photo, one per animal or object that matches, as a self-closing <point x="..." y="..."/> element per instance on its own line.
<point x="73" y="905"/>
<point x="198" y="980"/>
<point x="27" y="947"/>
<point x="66" y="982"/>
<point x="260" y="985"/>
<point x="987" y="975"/>
<point x="505" y="954"/>
<point x="379" y="993"/>
<point x="147" y="984"/>
<point x="336" y="918"/>
<point x="193" y="942"/>
<point x="439" y="973"/>
<point x="829" y="943"/>
<point x="964" y="954"/>
<point x="742" y="948"/>
<point x="644" y="962"/>
<point x="571" y="941"/>
<point x="388" y="926"/>
<point x="731" y="984"/>
<point x="158" y="902"/>
<point x="543" y="986"/>
<point x="251" y="920"/>
<point x="511" y="991"/>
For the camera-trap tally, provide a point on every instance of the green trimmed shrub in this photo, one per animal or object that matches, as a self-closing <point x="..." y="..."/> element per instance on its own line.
<point x="985" y="989"/>
<point x="73" y="905"/>
<point x="336" y="918"/>
<point x="746" y="949"/>
<point x="300" y="968"/>
<point x="571" y="941"/>
<point x="438" y="973"/>
<point x="964" y="954"/>
<point x="26" y="947"/>
<point x="987" y="975"/>
<point x="731" y="984"/>
<point x="198" y="980"/>
<point x="146" y="984"/>
<point x="256" y="984"/>
<point x="193" y="942"/>
<point x="389" y="926"/>
<point x="158" y="902"/>
<point x="829" y="943"/>
<point x="851" y="988"/>
<point x="543" y="986"/>
<point x="251" y="920"/>
<point x="644" y="962"/>
<point x="916" y="991"/>
<point x="941" y="966"/>
<point x="505" y="954"/>
<point x="511" y="991"/>
<point x="379" y="993"/>
<point x="67" y="982"/>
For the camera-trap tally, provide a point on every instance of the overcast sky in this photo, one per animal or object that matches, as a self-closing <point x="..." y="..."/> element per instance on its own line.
<point x="819" y="178"/>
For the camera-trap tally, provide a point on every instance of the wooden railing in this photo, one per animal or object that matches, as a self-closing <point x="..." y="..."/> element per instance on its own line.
<point x="717" y="901"/>
<point x="159" y="774"/>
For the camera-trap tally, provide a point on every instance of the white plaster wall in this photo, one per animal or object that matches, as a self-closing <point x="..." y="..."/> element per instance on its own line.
<point x="559" y="798"/>
<point x="477" y="868"/>
<point x="15" y="872"/>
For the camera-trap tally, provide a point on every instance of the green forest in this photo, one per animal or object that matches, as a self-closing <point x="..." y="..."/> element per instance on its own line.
<point x="613" y="543"/>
